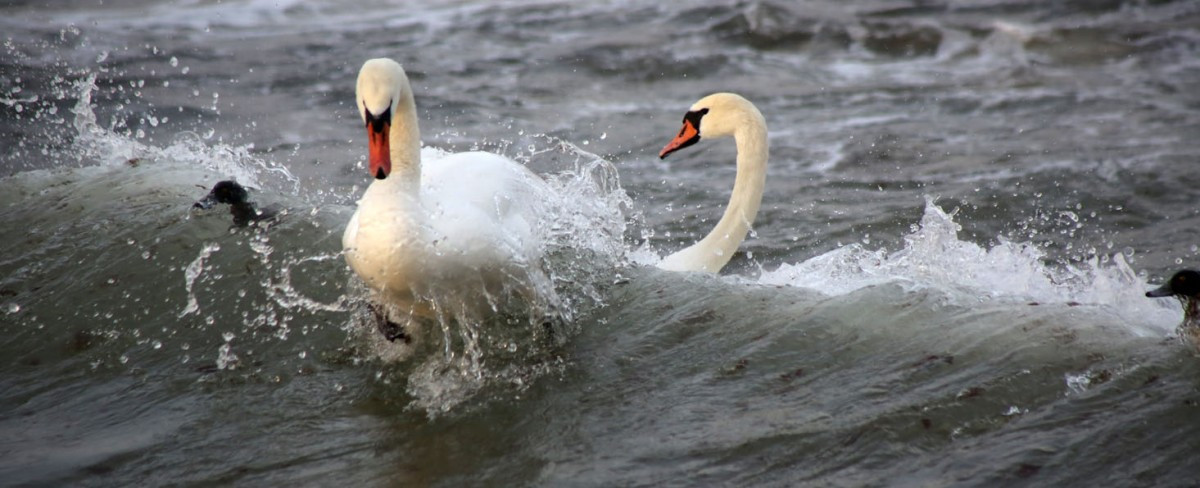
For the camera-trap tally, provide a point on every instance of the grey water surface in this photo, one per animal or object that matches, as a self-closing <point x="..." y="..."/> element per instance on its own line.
<point x="965" y="204"/>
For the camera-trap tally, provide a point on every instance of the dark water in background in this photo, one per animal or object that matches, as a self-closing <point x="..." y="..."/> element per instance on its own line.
<point x="935" y="172"/>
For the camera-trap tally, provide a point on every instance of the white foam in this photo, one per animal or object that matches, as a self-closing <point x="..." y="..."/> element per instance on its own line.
<point x="933" y="256"/>
<point x="110" y="148"/>
<point x="192" y="273"/>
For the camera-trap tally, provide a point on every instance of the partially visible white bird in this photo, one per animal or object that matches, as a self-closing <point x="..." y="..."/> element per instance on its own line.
<point x="716" y="116"/>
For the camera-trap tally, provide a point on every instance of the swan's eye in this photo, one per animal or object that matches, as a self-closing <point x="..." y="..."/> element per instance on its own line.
<point x="693" y="118"/>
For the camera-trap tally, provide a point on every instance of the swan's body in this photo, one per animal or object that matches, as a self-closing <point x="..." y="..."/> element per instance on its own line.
<point x="463" y="222"/>
<point x="715" y="116"/>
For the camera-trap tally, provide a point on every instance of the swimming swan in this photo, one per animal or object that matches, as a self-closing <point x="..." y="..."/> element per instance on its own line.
<point x="464" y="222"/>
<point x="715" y="116"/>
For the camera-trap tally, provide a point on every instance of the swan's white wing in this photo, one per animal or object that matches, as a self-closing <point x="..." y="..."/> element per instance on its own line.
<point x="483" y="207"/>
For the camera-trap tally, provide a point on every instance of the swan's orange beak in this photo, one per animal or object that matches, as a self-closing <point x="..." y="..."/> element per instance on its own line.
<point x="379" y="154"/>
<point x="688" y="135"/>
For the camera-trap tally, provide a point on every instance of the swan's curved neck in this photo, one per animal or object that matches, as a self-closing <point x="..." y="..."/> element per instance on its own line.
<point x="713" y="251"/>
<point x="405" y="142"/>
<point x="746" y="198"/>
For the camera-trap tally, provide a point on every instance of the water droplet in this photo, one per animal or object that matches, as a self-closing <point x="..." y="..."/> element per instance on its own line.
<point x="174" y="61"/>
<point x="228" y="336"/>
<point x="12" y="308"/>
<point x="124" y="359"/>
<point x="226" y="359"/>
<point x="303" y="354"/>
<point x="156" y="344"/>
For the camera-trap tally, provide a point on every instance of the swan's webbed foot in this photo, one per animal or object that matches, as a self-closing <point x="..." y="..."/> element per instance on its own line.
<point x="391" y="331"/>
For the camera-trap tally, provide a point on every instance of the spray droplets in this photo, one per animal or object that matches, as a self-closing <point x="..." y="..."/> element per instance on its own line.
<point x="226" y="359"/>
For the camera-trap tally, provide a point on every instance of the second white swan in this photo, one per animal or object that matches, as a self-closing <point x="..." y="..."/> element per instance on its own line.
<point x="716" y="116"/>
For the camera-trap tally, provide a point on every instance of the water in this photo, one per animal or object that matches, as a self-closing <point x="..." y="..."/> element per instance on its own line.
<point x="944" y="287"/>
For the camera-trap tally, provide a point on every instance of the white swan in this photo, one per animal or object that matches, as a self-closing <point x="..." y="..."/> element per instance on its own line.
<point x="715" y="116"/>
<point x="462" y="222"/>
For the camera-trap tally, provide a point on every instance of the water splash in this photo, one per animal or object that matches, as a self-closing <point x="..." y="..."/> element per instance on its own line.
<point x="933" y="256"/>
<point x="192" y="273"/>
<point x="109" y="147"/>
<point x="226" y="358"/>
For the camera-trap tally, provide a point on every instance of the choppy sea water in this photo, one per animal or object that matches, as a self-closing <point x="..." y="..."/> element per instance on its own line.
<point x="965" y="204"/>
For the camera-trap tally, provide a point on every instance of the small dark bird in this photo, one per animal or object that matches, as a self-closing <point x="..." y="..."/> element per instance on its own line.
<point x="1184" y="285"/>
<point x="242" y="209"/>
<point x="391" y="331"/>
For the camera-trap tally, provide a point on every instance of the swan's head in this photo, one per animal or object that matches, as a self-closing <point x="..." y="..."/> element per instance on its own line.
<point x="1184" y="284"/>
<point x="381" y="83"/>
<point x="717" y="115"/>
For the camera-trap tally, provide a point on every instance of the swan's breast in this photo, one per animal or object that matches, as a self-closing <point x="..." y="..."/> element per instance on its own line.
<point x="384" y="242"/>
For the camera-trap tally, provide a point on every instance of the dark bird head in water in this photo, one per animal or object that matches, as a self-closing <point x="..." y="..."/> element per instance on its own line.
<point x="1184" y="284"/>
<point x="227" y="191"/>
<point x="240" y="206"/>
